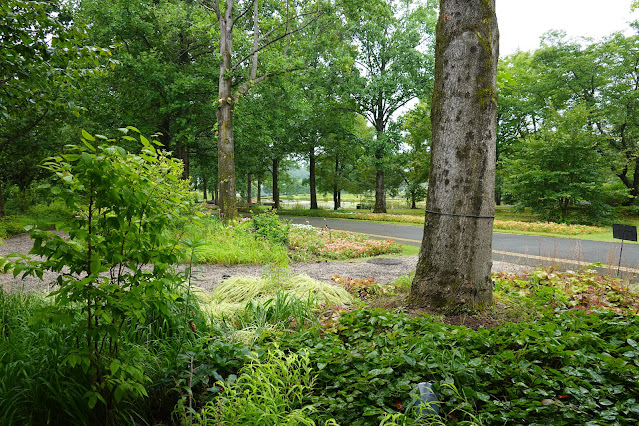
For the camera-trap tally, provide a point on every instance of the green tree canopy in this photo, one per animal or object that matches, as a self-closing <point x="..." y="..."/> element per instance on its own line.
<point x="558" y="171"/>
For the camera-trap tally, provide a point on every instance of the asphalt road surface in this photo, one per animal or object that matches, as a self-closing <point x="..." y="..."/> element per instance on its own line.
<point x="528" y="250"/>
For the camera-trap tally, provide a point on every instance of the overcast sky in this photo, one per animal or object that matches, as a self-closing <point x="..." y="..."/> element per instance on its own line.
<point x="522" y="22"/>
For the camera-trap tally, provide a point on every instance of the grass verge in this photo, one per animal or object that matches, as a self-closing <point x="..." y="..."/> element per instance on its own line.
<point x="504" y="223"/>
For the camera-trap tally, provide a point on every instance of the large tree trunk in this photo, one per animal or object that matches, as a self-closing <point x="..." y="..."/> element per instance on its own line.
<point x="453" y="272"/>
<point x="225" y="144"/>
<point x="276" y="190"/>
<point x="259" y="190"/>
<point x="204" y="187"/>
<point x="311" y="178"/>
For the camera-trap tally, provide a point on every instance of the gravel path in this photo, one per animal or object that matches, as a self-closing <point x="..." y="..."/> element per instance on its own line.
<point x="383" y="269"/>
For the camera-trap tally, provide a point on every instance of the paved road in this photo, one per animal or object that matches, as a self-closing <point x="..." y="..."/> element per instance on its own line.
<point x="522" y="249"/>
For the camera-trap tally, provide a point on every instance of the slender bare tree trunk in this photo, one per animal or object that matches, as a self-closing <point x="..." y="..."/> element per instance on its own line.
<point x="455" y="260"/>
<point x="311" y="178"/>
<point x="248" y="190"/>
<point x="336" y="204"/>
<point x="225" y="144"/>
<point x="276" y="190"/>
<point x="259" y="190"/>
<point x="204" y="187"/>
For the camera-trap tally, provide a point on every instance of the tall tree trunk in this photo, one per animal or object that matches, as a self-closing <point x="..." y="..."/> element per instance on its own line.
<point x="204" y="187"/>
<point x="276" y="190"/>
<point x="311" y="178"/>
<point x="336" y="204"/>
<point x="413" y="199"/>
<point x="259" y="190"/>
<point x="226" y="103"/>
<point x="380" y="193"/>
<point x="455" y="260"/>
<point x="182" y="152"/>
<point x="248" y="190"/>
<point x="380" y="190"/>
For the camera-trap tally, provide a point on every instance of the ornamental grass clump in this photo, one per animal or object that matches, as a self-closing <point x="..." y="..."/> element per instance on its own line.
<point x="244" y="307"/>
<point x="274" y="391"/>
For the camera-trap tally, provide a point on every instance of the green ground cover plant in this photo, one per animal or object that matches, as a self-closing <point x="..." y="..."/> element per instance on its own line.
<point x="573" y="359"/>
<point x="562" y="369"/>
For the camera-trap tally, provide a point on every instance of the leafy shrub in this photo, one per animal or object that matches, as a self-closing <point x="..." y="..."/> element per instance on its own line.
<point x="12" y="225"/>
<point x="270" y="227"/>
<point x="123" y="203"/>
<point x="54" y="212"/>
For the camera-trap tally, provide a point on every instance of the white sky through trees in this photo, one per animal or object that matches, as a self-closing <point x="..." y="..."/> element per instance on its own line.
<point x="522" y="22"/>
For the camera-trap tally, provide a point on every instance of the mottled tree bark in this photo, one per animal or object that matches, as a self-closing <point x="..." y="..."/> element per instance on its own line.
<point x="453" y="272"/>
<point x="311" y="178"/>
<point x="225" y="143"/>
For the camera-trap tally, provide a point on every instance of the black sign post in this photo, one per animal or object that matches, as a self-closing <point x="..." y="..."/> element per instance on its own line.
<point x="623" y="233"/>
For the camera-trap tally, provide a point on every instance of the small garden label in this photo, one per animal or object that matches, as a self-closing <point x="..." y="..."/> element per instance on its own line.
<point x="624" y="232"/>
